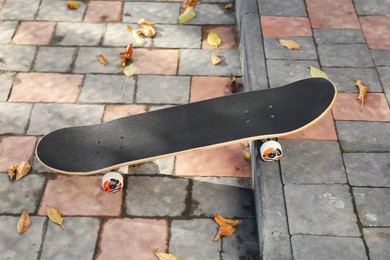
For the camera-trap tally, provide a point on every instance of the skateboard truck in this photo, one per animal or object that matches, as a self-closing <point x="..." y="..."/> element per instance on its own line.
<point x="271" y="151"/>
<point x="112" y="182"/>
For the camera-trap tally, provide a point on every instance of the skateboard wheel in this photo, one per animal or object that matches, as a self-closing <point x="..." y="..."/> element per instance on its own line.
<point x="112" y="182"/>
<point x="271" y="151"/>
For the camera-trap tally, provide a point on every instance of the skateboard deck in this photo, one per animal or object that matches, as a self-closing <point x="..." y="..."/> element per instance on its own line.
<point x="261" y="114"/>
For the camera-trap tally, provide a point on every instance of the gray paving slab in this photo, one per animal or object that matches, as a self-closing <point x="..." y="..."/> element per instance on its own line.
<point x="322" y="247"/>
<point x="282" y="72"/>
<point x="363" y="136"/>
<point x="274" y="50"/>
<point x="343" y="78"/>
<point x="100" y="88"/>
<point x="244" y="8"/>
<point x="320" y="210"/>
<point x="209" y="199"/>
<point x="178" y="36"/>
<point x="312" y="162"/>
<point x="345" y="55"/>
<point x="58" y="59"/>
<point x="368" y="169"/>
<point x="77" y="241"/>
<point x="200" y="232"/>
<point x="160" y="166"/>
<point x="323" y="36"/>
<point x="209" y="14"/>
<point x="229" y="65"/>
<point x="163" y="89"/>
<point x="282" y="8"/>
<point x="78" y="34"/>
<point x="87" y="60"/>
<point x="46" y="118"/>
<point x="164" y="196"/>
<point x="378" y="242"/>
<point x="56" y="10"/>
<point x="155" y="12"/>
<point x="373" y="206"/>
<point x="116" y="34"/>
<point x="7" y="31"/>
<point x="16" y="57"/>
<point x="381" y="57"/>
<point x="6" y="80"/>
<point x="228" y="181"/>
<point x="384" y="75"/>
<point x="17" y="195"/>
<point x="374" y="7"/>
<point x="19" y="10"/>
<point x="16" y="246"/>
<point x="14" y="117"/>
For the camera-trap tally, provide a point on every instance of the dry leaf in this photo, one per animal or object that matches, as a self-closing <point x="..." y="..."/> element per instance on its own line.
<point x="224" y="221"/>
<point x="232" y="87"/>
<point x="317" y="73"/>
<point x="189" y="3"/>
<point x="55" y="216"/>
<point x="213" y="38"/>
<point x="128" y="71"/>
<point x="187" y="15"/>
<point x="126" y="14"/>
<point x="290" y="44"/>
<point x="138" y="38"/>
<point x="225" y="230"/>
<point x="12" y="171"/>
<point x="24" y="222"/>
<point x="23" y="169"/>
<point x="229" y="6"/>
<point x="127" y="52"/>
<point x="102" y="59"/>
<point x="215" y="59"/>
<point x="146" y="28"/>
<point x="73" y="5"/>
<point x="362" y="92"/>
<point x="247" y="156"/>
<point x="165" y="256"/>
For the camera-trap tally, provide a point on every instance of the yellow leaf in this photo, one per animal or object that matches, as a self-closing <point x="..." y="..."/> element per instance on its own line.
<point x="229" y="6"/>
<point x="247" y="156"/>
<point x="24" y="222"/>
<point x="165" y="256"/>
<point x="129" y="28"/>
<point x="188" y="15"/>
<point x="23" y="169"/>
<point x="138" y="38"/>
<point x="213" y="39"/>
<point x="146" y="28"/>
<point x="362" y="92"/>
<point x="129" y="70"/>
<point x="215" y="59"/>
<point x="290" y="44"/>
<point x="12" y="171"/>
<point x="55" y="216"/>
<point x="225" y="230"/>
<point x="221" y="221"/>
<point x="72" y="5"/>
<point x="317" y="73"/>
<point x="102" y="59"/>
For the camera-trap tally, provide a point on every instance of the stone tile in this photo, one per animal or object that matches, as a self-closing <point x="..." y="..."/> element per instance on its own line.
<point x="163" y="89"/>
<point x="19" y="10"/>
<point x="212" y="14"/>
<point x="146" y="236"/>
<point x="34" y="33"/>
<point x="228" y="35"/>
<point x="368" y="169"/>
<point x="245" y="183"/>
<point x="320" y="210"/>
<point x="279" y="26"/>
<point x="321" y="247"/>
<point x="87" y="60"/>
<point x="374" y="7"/>
<point x="46" y="118"/>
<point x="283" y="8"/>
<point x="378" y="242"/>
<point x="208" y="87"/>
<point x="91" y="199"/>
<point x="16" y="58"/>
<point x="201" y="232"/>
<point x="107" y="89"/>
<point x="177" y="36"/>
<point x="282" y="72"/>
<point x="345" y="55"/>
<point x="373" y="206"/>
<point x="116" y="34"/>
<point x="335" y="14"/>
<point x="58" y="243"/>
<point x="381" y="57"/>
<point x="156" y="192"/>
<point x="377" y="30"/>
<point x="80" y="34"/>
<point x="160" y="166"/>
<point x="274" y="50"/>
<point x="225" y="161"/>
<point x="375" y="108"/>
<point x="14" y="117"/>
<point x="312" y="162"/>
<point x="16" y="246"/>
<point x="7" y="30"/>
<point x="384" y="75"/>
<point x="344" y="78"/>
<point x="6" y="80"/>
<point x="103" y="12"/>
<point x="46" y="87"/>
<point x="323" y="36"/>
<point x="116" y="111"/>
<point x="17" y="195"/>
<point x="54" y="59"/>
<point x="160" y="13"/>
<point x="230" y="64"/>
<point x="364" y="136"/>
<point x="322" y="130"/>
<point x="155" y="61"/>
<point x="56" y="10"/>
<point x="208" y="199"/>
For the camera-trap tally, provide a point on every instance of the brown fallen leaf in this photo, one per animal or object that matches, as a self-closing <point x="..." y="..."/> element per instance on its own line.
<point x="215" y="58"/>
<point x="23" y="223"/>
<point x="225" y="230"/>
<point x="362" y="92"/>
<point x="23" y="169"/>
<point x="73" y="5"/>
<point x="127" y="52"/>
<point x="102" y="59"/>
<point x="290" y="44"/>
<point x="189" y="3"/>
<point x="232" y="86"/>
<point x="164" y="256"/>
<point x="229" y="6"/>
<point x="55" y="216"/>
<point x="12" y="171"/>
<point x="221" y="221"/>
<point x="126" y="14"/>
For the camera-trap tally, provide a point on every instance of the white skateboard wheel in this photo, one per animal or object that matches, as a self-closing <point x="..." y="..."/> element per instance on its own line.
<point x="112" y="182"/>
<point x="271" y="151"/>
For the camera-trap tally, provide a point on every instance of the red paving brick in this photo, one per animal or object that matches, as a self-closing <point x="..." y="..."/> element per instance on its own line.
<point x="132" y="239"/>
<point x="15" y="149"/>
<point x="278" y="26"/>
<point x="208" y="87"/>
<point x="228" y="35"/>
<point x="375" y="108"/>
<point x="1" y="3"/>
<point x="46" y="87"/>
<point x="80" y="196"/>
<point x="116" y="111"/>
<point x="103" y="11"/>
<point x="158" y="61"/>
<point x="377" y="31"/>
<point x="34" y="33"/>
<point x="224" y="161"/>
<point x="332" y="14"/>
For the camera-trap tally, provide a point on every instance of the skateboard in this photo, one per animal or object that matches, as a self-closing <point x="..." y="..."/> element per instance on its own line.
<point x="235" y="118"/>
